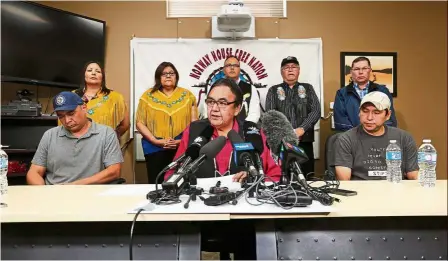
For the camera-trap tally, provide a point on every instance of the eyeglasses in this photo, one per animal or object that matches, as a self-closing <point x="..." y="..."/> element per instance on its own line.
<point x="221" y="103"/>
<point x="356" y="69"/>
<point x="166" y="74"/>
<point x="287" y="68"/>
<point x="232" y="65"/>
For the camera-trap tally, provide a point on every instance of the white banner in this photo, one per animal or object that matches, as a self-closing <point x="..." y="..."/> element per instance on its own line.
<point x="200" y="62"/>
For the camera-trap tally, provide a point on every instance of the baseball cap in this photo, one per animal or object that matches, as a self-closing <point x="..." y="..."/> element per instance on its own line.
<point x="66" y="101"/>
<point x="290" y="59"/>
<point x="379" y="99"/>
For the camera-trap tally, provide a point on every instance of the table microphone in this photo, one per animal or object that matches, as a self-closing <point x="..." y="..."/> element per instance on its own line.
<point x="179" y="179"/>
<point x="252" y="134"/>
<point x="277" y="128"/>
<point x="192" y="152"/>
<point x="242" y="152"/>
<point x="283" y="142"/>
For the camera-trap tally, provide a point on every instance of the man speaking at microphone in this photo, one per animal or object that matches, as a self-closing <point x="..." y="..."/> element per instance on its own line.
<point x="224" y="103"/>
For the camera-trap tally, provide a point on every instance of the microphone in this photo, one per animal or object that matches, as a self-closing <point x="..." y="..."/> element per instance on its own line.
<point x="283" y="142"/>
<point x="293" y="156"/>
<point x="178" y="180"/>
<point x="209" y="151"/>
<point x="242" y="152"/>
<point x="277" y="128"/>
<point x="192" y="152"/>
<point x="252" y="135"/>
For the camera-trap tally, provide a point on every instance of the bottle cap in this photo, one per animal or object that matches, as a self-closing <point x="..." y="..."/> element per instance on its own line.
<point x="427" y="141"/>
<point x="393" y="141"/>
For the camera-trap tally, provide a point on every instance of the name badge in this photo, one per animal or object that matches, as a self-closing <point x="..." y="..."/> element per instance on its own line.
<point x="377" y="173"/>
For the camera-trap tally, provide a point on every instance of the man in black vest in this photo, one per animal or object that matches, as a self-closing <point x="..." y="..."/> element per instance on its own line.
<point x="250" y="108"/>
<point x="299" y="103"/>
<point x="223" y="106"/>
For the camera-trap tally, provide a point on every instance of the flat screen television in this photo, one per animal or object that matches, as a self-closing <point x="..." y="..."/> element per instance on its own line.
<point x="47" y="46"/>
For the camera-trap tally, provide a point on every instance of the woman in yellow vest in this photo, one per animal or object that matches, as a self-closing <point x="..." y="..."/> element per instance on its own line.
<point x="163" y="113"/>
<point x="104" y="106"/>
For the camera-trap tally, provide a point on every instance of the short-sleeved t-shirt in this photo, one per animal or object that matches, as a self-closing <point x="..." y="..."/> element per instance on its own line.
<point x="366" y="154"/>
<point x="68" y="158"/>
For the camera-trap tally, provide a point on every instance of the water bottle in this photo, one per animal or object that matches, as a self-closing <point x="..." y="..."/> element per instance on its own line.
<point x="3" y="175"/>
<point x="427" y="159"/>
<point x="393" y="161"/>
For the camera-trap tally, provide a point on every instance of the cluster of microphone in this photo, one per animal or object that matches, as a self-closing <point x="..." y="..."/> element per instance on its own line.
<point x="246" y="154"/>
<point x="280" y="139"/>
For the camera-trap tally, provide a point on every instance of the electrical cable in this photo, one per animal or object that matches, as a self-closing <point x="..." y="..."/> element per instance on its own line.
<point x="271" y="194"/>
<point x="321" y="193"/>
<point x="160" y="196"/>
<point x="131" y="239"/>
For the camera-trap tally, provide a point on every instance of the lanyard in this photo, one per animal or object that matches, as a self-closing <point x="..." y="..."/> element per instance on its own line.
<point x="217" y="173"/>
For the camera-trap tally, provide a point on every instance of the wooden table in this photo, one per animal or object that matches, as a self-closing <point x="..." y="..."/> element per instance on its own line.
<point x="75" y="222"/>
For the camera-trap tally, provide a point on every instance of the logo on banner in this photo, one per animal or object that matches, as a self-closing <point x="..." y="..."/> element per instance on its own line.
<point x="215" y="59"/>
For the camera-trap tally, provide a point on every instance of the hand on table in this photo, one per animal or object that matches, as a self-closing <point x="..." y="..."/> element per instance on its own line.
<point x="240" y="176"/>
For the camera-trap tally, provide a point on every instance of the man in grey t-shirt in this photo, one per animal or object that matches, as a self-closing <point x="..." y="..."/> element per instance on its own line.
<point x="360" y="152"/>
<point x="79" y="152"/>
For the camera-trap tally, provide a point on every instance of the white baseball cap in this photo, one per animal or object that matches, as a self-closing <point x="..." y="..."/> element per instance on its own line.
<point x="379" y="99"/>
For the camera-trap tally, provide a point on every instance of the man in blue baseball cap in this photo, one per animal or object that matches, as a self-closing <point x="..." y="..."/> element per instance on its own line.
<point x="70" y="110"/>
<point x="79" y="152"/>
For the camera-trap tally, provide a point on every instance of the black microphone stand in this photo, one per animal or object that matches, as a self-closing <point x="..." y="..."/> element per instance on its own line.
<point x="248" y="184"/>
<point x="191" y="190"/>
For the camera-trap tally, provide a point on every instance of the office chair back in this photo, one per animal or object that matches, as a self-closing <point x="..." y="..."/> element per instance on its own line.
<point x="330" y="152"/>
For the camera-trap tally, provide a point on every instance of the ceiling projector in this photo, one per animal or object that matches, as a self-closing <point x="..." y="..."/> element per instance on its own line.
<point x="234" y="17"/>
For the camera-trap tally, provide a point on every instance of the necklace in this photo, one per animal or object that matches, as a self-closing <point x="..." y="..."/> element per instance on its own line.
<point x="92" y="96"/>
<point x="227" y="172"/>
<point x="217" y="173"/>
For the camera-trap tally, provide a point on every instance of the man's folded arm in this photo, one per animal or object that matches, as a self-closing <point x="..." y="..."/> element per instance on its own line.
<point x="113" y="158"/>
<point x="35" y="175"/>
<point x="111" y="173"/>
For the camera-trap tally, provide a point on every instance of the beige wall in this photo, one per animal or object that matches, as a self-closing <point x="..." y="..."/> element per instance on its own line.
<point x="416" y="30"/>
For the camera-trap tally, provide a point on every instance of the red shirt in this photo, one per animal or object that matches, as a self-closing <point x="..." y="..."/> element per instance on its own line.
<point x="270" y="168"/>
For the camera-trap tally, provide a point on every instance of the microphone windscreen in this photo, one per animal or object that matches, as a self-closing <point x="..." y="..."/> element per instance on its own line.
<point x="199" y="142"/>
<point x="277" y="128"/>
<point x="195" y="147"/>
<point x="207" y="132"/>
<point x="212" y="148"/>
<point x="234" y="137"/>
<point x="252" y="134"/>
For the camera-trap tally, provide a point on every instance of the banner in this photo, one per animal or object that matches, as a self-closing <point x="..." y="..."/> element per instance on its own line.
<point x="200" y="63"/>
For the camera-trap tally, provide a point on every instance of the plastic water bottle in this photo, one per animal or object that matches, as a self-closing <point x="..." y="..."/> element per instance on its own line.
<point x="3" y="175"/>
<point x="427" y="161"/>
<point x="393" y="161"/>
